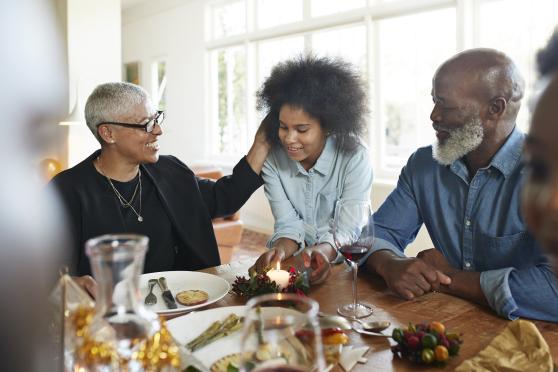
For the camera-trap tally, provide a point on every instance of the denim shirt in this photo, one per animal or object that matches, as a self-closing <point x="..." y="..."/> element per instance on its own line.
<point x="303" y="201"/>
<point x="477" y="224"/>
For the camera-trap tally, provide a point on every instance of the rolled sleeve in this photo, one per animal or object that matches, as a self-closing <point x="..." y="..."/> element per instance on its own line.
<point x="496" y="289"/>
<point x="527" y="293"/>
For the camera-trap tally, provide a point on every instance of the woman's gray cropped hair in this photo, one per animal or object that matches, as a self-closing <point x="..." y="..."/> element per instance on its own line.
<point x="109" y="101"/>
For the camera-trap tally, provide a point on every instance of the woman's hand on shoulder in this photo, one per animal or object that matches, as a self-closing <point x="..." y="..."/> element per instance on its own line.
<point x="260" y="148"/>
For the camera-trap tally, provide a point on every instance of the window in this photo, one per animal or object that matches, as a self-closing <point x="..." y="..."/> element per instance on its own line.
<point x="404" y="80"/>
<point x="160" y="85"/>
<point x="395" y="44"/>
<point x="527" y="25"/>
<point x="229" y="98"/>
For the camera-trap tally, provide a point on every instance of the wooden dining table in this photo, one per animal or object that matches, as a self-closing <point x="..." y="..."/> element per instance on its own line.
<point x="478" y="324"/>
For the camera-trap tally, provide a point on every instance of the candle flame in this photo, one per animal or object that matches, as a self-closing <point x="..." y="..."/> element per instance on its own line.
<point x="278" y="265"/>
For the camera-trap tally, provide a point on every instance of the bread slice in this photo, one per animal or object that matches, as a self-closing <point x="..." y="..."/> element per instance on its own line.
<point x="191" y="297"/>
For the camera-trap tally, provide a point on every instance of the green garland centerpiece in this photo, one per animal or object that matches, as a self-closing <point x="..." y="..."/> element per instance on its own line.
<point x="259" y="283"/>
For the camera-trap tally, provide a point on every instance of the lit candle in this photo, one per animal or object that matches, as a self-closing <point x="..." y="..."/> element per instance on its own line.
<point x="280" y="277"/>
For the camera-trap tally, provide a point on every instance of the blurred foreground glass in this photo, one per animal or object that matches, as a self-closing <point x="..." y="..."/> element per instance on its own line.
<point x="353" y="235"/>
<point x="281" y="333"/>
<point x="121" y="321"/>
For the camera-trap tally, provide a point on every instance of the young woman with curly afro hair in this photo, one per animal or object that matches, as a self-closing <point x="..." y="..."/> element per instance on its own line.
<point x="317" y="110"/>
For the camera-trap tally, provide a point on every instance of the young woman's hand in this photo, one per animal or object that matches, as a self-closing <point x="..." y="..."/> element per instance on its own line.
<point x="283" y="249"/>
<point x="318" y="263"/>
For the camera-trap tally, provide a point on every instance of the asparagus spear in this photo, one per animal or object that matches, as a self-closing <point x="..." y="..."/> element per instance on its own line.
<point x="216" y="331"/>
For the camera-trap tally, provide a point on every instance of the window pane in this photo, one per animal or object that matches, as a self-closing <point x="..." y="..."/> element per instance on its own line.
<point x="274" y="51"/>
<point x="334" y="43"/>
<point x="323" y="7"/>
<point x="160" y="85"/>
<point x="229" y="73"/>
<point x="520" y="30"/>
<point x="229" y="19"/>
<point x="273" y="12"/>
<point x="407" y="62"/>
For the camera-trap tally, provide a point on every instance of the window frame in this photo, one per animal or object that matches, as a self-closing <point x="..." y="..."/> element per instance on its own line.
<point x="466" y="30"/>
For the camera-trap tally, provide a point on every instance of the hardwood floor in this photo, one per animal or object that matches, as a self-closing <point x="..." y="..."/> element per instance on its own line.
<point x="252" y="245"/>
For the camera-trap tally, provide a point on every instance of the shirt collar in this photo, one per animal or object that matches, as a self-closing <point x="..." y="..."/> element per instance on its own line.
<point x="509" y="154"/>
<point x="323" y="164"/>
<point x="505" y="159"/>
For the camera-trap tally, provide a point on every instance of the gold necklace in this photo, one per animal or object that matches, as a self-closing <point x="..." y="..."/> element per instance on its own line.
<point x="125" y="203"/>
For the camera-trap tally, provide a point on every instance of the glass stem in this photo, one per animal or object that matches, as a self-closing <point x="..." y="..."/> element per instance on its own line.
<point x="355" y="300"/>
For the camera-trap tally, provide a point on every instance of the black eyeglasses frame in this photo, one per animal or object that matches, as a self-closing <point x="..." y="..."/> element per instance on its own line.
<point x="157" y="119"/>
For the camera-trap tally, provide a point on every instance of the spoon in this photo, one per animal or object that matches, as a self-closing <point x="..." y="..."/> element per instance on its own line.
<point x="375" y="326"/>
<point x="371" y="328"/>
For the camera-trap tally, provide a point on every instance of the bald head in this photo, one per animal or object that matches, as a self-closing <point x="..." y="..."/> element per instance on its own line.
<point x="486" y="74"/>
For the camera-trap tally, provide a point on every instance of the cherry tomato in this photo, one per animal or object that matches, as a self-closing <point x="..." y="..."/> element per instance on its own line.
<point x="429" y="341"/>
<point x="397" y="334"/>
<point x="413" y="341"/>
<point x="438" y="327"/>
<point x="336" y="339"/>
<point x="331" y="331"/>
<point x="441" y="353"/>
<point x="427" y="356"/>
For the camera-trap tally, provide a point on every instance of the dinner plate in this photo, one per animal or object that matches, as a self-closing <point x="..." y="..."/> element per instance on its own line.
<point x="189" y="326"/>
<point x="178" y="281"/>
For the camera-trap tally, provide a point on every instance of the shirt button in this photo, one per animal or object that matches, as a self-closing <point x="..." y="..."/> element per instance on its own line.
<point x="467" y="264"/>
<point x="468" y="223"/>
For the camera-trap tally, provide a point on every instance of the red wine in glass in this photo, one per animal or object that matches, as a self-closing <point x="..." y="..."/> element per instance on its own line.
<point x="353" y="252"/>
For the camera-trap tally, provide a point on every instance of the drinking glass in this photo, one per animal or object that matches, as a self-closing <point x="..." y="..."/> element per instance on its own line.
<point x="353" y="235"/>
<point x="281" y="333"/>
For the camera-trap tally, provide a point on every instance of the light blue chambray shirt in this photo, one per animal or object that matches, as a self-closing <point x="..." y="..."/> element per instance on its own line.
<point x="303" y="201"/>
<point x="478" y="226"/>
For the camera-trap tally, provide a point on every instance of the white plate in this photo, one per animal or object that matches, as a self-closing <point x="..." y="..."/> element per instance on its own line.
<point x="177" y="281"/>
<point x="189" y="326"/>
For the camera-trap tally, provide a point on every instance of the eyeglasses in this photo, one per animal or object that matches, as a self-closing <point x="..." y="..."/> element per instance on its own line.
<point x="157" y="119"/>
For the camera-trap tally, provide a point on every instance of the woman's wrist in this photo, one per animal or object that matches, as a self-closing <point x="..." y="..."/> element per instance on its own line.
<point x="288" y="246"/>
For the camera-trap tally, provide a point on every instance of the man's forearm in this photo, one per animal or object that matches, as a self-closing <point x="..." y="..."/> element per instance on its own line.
<point x="466" y="285"/>
<point x="377" y="261"/>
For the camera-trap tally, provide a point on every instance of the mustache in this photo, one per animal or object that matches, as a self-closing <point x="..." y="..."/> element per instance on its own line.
<point x="437" y="126"/>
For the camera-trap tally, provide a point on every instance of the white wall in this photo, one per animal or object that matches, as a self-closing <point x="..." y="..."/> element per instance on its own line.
<point x="94" y="55"/>
<point x="174" y="30"/>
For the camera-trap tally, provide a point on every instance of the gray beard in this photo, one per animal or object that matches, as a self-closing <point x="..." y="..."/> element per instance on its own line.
<point x="460" y="142"/>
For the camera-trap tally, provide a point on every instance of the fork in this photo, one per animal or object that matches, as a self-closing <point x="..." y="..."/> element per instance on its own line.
<point x="150" y="299"/>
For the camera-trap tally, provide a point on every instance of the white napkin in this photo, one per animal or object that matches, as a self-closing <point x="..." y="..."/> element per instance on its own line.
<point x="351" y="355"/>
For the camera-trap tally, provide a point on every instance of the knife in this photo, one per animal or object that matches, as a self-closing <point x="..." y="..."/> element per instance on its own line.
<point x="167" y="295"/>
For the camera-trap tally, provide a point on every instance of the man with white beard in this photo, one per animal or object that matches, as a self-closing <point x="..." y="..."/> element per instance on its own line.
<point x="466" y="190"/>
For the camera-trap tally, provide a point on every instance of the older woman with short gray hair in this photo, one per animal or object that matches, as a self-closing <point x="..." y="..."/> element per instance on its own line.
<point x="126" y="187"/>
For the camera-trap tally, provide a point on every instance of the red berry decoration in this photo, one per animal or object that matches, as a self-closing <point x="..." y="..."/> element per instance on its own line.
<point x="426" y="343"/>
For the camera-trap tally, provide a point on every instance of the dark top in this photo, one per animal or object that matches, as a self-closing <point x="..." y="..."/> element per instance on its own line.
<point x="188" y="202"/>
<point x="156" y="222"/>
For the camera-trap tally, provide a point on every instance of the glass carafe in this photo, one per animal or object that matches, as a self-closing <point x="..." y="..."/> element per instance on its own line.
<point x="121" y="322"/>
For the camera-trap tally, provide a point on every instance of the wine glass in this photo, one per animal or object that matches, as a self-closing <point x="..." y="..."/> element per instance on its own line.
<point x="281" y="334"/>
<point x="353" y="235"/>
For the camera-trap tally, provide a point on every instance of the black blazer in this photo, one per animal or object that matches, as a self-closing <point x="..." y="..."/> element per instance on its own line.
<point x="189" y="201"/>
